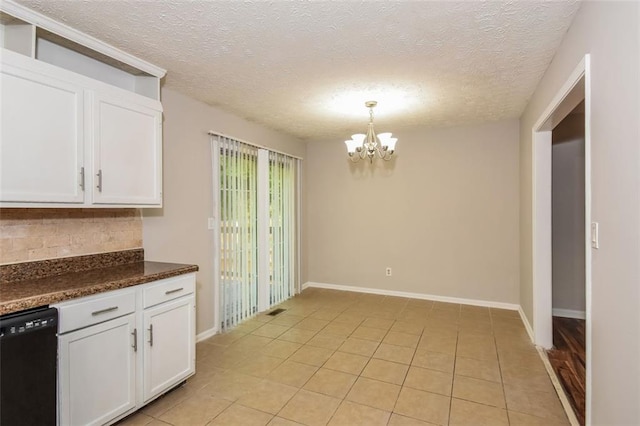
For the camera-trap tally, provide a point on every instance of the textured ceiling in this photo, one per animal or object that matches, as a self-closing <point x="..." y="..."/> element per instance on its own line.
<point x="306" y="68"/>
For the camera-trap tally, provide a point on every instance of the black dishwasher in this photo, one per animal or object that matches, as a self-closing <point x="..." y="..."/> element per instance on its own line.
<point x="28" y="358"/>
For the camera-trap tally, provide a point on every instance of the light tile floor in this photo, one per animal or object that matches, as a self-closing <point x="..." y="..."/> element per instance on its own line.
<point x="342" y="358"/>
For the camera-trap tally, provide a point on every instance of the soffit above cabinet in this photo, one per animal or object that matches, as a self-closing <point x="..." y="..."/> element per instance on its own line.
<point x="87" y="51"/>
<point x="12" y="13"/>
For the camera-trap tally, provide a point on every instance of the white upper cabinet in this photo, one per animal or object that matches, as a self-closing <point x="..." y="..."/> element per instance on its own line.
<point x="127" y="141"/>
<point x="41" y="156"/>
<point x="81" y="121"/>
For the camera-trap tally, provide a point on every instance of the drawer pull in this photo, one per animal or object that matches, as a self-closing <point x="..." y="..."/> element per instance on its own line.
<point x="104" y="311"/>
<point x="174" y="290"/>
<point x="150" y="334"/>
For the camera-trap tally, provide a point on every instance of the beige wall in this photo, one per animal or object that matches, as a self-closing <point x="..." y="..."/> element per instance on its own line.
<point x="38" y="234"/>
<point x="610" y="32"/>
<point x="178" y="232"/>
<point x="443" y="215"/>
<point x="568" y="231"/>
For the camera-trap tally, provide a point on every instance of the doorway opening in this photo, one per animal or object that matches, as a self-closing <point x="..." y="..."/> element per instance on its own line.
<point x="548" y="270"/>
<point x="568" y="242"/>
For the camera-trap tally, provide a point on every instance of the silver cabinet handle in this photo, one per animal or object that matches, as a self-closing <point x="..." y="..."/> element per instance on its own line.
<point x="150" y="334"/>
<point x="174" y="290"/>
<point x="99" y="180"/>
<point x="104" y="311"/>
<point x="135" y="339"/>
<point x="82" y="178"/>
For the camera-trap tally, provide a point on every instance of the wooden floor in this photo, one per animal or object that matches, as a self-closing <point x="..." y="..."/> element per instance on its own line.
<point x="568" y="360"/>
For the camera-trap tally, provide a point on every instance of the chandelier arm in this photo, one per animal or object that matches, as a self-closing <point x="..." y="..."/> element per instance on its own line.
<point x="385" y="154"/>
<point x="358" y="155"/>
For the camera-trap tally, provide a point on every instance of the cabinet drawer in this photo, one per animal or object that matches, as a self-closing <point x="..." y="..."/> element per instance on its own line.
<point x="168" y="289"/>
<point x="95" y="309"/>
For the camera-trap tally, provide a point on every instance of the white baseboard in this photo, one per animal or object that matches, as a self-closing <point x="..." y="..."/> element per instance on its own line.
<point x="569" y="313"/>
<point x="206" y="334"/>
<point x="526" y="323"/>
<point x="463" y="301"/>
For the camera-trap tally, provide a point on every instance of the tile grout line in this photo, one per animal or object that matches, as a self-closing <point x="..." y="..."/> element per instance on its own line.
<point x="321" y="366"/>
<point x="288" y="359"/>
<point x="504" y="392"/>
<point x="354" y="382"/>
<point x="453" y="375"/>
<point x="405" y="377"/>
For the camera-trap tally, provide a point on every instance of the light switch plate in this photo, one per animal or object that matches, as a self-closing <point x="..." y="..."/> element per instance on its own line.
<point x="211" y="223"/>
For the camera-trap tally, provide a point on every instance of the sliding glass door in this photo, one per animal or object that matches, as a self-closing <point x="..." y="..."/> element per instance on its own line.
<point x="256" y="241"/>
<point x="282" y="230"/>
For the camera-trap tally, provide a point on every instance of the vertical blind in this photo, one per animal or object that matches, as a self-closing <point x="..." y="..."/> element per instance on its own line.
<point x="257" y="233"/>
<point x="238" y="267"/>
<point x="282" y="214"/>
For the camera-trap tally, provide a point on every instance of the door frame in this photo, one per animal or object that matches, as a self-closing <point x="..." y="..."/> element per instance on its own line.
<point x="576" y="88"/>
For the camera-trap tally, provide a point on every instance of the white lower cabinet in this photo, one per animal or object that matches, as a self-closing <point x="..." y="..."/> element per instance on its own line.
<point x="121" y="349"/>
<point x="169" y="349"/>
<point x="98" y="366"/>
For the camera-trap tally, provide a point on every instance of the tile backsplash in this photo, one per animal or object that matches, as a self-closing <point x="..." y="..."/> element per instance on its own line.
<point x="38" y="234"/>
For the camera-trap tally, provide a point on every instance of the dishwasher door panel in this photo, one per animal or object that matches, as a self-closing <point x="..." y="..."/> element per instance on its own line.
<point x="28" y="356"/>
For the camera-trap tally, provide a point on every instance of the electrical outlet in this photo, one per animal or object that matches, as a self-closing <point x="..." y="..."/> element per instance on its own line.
<point x="211" y="223"/>
<point x="388" y="271"/>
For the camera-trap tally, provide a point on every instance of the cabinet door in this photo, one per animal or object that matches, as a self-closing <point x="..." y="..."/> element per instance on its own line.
<point x="169" y="355"/>
<point x="96" y="368"/>
<point x="127" y="152"/>
<point x="41" y="142"/>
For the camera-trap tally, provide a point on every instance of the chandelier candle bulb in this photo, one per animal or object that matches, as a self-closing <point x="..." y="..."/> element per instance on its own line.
<point x="370" y="145"/>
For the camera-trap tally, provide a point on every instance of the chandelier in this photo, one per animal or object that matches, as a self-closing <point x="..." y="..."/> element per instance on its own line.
<point x="363" y="146"/>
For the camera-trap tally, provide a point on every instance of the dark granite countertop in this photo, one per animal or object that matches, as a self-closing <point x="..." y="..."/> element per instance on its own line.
<point x="33" y="290"/>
